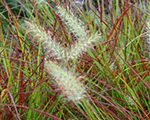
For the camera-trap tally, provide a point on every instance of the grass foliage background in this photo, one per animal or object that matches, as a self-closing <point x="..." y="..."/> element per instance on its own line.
<point x="117" y="68"/>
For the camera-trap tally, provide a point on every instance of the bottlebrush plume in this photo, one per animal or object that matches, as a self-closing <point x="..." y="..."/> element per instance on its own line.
<point x="84" y="40"/>
<point x="67" y="81"/>
<point x="49" y="44"/>
<point x="75" y="25"/>
<point x="81" y="47"/>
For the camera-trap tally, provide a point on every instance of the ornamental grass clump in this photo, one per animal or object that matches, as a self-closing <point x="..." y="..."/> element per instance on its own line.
<point x="49" y="85"/>
<point x="68" y="82"/>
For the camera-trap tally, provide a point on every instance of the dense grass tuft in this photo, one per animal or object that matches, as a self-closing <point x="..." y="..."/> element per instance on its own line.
<point x="84" y="60"/>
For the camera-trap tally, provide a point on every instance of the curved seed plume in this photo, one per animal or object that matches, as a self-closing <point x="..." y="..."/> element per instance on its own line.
<point x="81" y="47"/>
<point x="67" y="81"/>
<point x="84" y="41"/>
<point x="75" y="25"/>
<point x="49" y="44"/>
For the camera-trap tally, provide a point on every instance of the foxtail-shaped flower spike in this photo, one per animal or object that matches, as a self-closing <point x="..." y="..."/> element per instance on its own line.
<point x="75" y="25"/>
<point x="81" y="47"/>
<point x="49" y="44"/>
<point x="84" y="41"/>
<point x="70" y="85"/>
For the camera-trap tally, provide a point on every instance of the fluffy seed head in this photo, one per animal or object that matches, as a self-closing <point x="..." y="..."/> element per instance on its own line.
<point x="80" y="47"/>
<point x="67" y="82"/>
<point x="49" y="44"/>
<point x="75" y="25"/>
